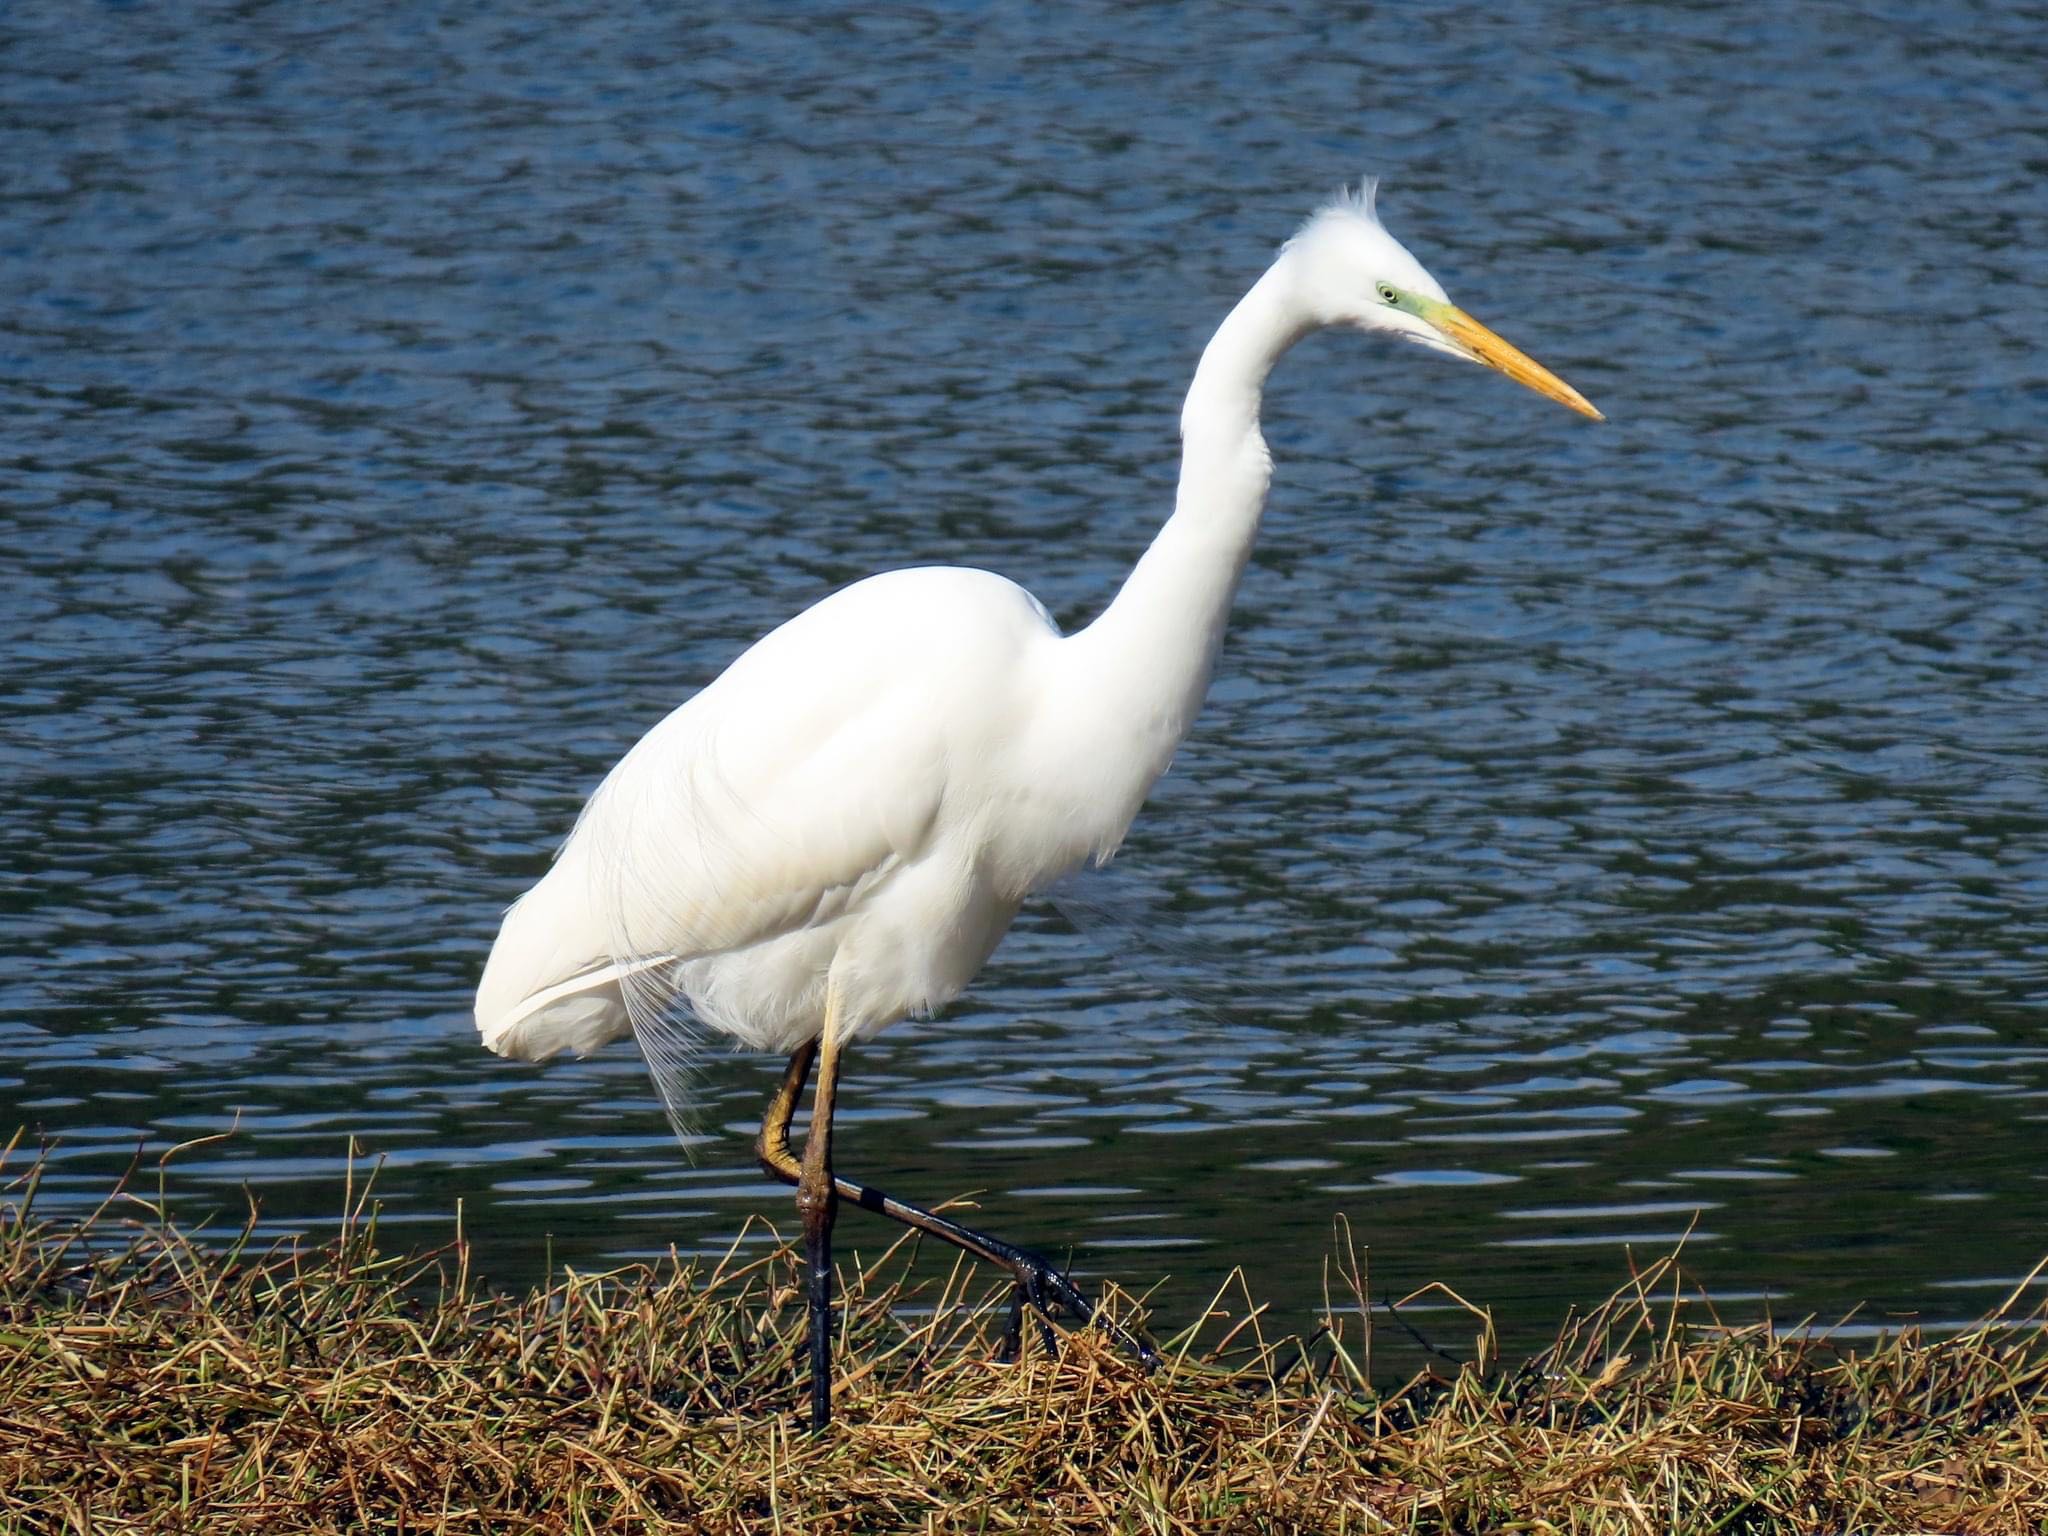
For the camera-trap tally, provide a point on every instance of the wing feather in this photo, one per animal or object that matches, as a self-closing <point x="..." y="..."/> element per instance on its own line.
<point x="794" y="782"/>
<point x="778" y="799"/>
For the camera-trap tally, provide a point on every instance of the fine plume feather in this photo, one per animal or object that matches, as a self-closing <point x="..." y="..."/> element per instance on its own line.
<point x="1362" y="203"/>
<point x="672" y="1043"/>
<point x="670" y="1039"/>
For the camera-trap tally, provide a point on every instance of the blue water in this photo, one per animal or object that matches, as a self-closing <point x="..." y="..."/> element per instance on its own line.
<point x="1596" y="834"/>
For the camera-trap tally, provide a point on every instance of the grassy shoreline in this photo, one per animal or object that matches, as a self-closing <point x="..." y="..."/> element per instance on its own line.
<point x="151" y="1380"/>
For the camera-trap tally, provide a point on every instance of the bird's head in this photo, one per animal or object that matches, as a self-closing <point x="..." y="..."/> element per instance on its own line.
<point x="1350" y="271"/>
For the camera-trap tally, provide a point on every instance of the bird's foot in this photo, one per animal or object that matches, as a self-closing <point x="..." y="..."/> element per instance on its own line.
<point x="1044" y="1288"/>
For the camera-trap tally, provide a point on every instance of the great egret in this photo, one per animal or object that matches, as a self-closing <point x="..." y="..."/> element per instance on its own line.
<point x="837" y="831"/>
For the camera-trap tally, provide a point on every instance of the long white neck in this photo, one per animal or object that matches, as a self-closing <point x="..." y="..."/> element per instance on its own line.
<point x="1149" y="657"/>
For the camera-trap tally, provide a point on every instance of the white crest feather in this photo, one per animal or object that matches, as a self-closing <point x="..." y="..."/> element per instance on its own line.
<point x="1362" y="203"/>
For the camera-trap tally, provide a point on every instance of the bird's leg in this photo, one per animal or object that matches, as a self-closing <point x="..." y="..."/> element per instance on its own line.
<point x="817" y="1202"/>
<point x="771" y="1146"/>
<point x="1013" y="1327"/>
<point x="1039" y="1282"/>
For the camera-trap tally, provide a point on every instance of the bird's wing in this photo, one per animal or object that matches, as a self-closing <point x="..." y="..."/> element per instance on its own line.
<point x="716" y="834"/>
<point x="768" y="802"/>
<point x="724" y="828"/>
<point x="804" y="777"/>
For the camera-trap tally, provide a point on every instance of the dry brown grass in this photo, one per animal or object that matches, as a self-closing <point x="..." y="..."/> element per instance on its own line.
<point x="148" y="1381"/>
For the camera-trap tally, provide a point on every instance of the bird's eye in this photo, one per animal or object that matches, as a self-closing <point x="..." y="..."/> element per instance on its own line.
<point x="1387" y="292"/>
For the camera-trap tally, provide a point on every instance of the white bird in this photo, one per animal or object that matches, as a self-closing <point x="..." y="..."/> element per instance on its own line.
<point x="837" y="831"/>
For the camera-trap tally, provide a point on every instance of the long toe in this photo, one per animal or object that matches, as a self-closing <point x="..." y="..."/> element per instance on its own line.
<point x="1010" y="1347"/>
<point x="1047" y="1288"/>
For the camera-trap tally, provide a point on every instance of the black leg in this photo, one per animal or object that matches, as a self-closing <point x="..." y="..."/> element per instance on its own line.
<point x="1041" y="1285"/>
<point x="817" y="1200"/>
<point x="818" y="1256"/>
<point x="1013" y="1333"/>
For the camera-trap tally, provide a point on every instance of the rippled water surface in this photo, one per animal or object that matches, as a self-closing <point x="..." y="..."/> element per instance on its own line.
<point x="1595" y="834"/>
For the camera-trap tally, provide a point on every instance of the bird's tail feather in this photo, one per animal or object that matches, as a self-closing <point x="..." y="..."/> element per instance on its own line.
<point x="578" y="1014"/>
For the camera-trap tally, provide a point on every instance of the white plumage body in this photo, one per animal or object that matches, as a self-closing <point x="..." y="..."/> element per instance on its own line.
<point x="871" y="789"/>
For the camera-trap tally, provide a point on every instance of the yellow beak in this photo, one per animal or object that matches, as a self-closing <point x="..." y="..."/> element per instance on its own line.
<point x="1511" y="360"/>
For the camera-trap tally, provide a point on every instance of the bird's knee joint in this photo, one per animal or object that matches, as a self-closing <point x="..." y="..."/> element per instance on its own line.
<point x="816" y="1202"/>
